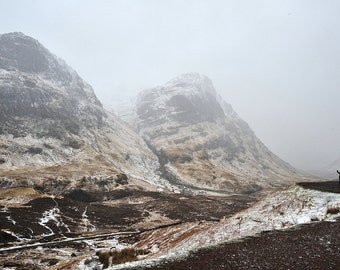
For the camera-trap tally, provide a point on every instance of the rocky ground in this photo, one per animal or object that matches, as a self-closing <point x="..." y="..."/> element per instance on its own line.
<point x="313" y="246"/>
<point x="309" y="246"/>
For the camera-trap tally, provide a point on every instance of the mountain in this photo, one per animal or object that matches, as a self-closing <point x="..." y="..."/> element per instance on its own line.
<point x="54" y="130"/>
<point x="200" y="140"/>
<point x="80" y="189"/>
<point x="56" y="135"/>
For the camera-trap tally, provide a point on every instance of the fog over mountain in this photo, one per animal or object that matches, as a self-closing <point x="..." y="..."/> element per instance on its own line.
<point x="201" y="141"/>
<point x="175" y="172"/>
<point x="53" y="128"/>
<point x="276" y="62"/>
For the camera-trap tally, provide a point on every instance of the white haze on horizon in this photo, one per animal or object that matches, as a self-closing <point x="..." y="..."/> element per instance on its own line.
<point x="276" y="62"/>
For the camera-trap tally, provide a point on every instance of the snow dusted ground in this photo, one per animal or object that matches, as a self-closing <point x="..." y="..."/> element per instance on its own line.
<point x="280" y="210"/>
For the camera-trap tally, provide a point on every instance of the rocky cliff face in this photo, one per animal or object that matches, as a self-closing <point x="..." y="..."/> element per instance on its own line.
<point x="40" y="90"/>
<point x="201" y="142"/>
<point x="52" y="126"/>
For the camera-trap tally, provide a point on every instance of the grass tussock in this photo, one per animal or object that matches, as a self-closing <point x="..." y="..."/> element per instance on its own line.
<point x="112" y="257"/>
<point x="20" y="194"/>
<point x="333" y="210"/>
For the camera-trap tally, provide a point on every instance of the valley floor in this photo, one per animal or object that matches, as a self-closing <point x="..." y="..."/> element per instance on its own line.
<point x="71" y="241"/>
<point x="308" y="246"/>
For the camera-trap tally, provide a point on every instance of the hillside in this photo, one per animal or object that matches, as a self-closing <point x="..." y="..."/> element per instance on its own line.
<point x="311" y="246"/>
<point x="279" y="210"/>
<point x="54" y="131"/>
<point x="200" y="140"/>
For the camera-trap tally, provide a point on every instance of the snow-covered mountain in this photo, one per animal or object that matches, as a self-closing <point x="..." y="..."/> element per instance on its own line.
<point x="201" y="141"/>
<point x="54" y="129"/>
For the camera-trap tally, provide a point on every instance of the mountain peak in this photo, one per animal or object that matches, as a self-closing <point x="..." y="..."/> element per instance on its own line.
<point x="193" y="81"/>
<point x="35" y="84"/>
<point x="23" y="53"/>
<point x="16" y="35"/>
<point x="190" y="97"/>
<point x="190" y="77"/>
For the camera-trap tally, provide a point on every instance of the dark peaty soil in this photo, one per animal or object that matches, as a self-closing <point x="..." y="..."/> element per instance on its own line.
<point x="329" y="186"/>
<point x="314" y="246"/>
<point x="117" y="217"/>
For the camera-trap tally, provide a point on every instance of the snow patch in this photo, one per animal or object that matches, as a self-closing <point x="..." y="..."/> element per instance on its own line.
<point x="280" y="210"/>
<point x="52" y="215"/>
<point x="88" y="226"/>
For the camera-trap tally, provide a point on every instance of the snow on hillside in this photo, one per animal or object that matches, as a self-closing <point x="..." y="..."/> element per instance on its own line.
<point x="51" y="122"/>
<point x="200" y="140"/>
<point x="279" y="210"/>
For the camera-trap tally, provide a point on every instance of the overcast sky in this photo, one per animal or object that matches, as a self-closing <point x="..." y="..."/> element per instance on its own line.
<point x="276" y="62"/>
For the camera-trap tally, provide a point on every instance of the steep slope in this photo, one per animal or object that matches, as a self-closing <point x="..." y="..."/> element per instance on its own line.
<point x="53" y="129"/>
<point x="200" y="141"/>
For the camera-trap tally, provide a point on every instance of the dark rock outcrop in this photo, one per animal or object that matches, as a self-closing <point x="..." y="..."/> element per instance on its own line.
<point x="40" y="94"/>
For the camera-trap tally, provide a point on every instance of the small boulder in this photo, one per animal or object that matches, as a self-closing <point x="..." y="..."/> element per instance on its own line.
<point x="2" y="160"/>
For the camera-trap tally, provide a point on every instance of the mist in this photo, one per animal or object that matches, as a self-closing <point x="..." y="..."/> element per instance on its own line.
<point x="276" y="62"/>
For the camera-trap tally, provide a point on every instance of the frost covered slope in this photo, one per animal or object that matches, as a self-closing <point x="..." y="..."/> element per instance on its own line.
<point x="202" y="142"/>
<point x="53" y="126"/>
<point x="279" y="210"/>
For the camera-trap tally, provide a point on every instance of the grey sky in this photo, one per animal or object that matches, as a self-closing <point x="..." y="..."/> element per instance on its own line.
<point x="276" y="62"/>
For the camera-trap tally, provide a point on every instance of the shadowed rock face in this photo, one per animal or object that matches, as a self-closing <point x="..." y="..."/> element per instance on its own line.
<point x="19" y="52"/>
<point x="36" y="86"/>
<point x="192" y="99"/>
<point x="186" y="109"/>
<point x="202" y="142"/>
